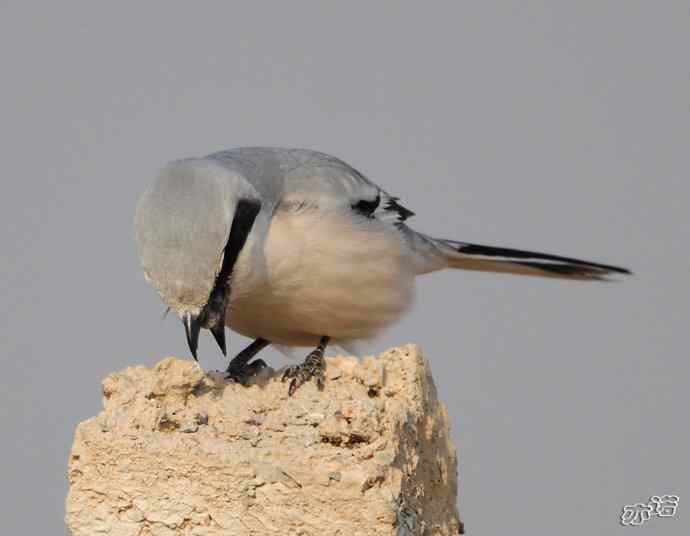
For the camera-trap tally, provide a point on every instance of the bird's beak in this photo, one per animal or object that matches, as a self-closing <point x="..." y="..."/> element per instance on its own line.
<point x="192" y="326"/>
<point x="219" y="334"/>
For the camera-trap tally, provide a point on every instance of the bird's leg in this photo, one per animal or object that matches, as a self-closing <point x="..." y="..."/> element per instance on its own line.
<point x="313" y="367"/>
<point x="240" y="370"/>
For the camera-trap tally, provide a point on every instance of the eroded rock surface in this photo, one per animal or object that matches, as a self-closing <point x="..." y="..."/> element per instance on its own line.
<point x="180" y="452"/>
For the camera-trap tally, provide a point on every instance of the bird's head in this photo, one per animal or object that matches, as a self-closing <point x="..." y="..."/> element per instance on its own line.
<point x="190" y="227"/>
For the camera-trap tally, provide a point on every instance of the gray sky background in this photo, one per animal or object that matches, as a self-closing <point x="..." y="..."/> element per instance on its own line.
<point x="560" y="126"/>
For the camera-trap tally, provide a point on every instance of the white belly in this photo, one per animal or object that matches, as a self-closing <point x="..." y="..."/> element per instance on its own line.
<point x="322" y="275"/>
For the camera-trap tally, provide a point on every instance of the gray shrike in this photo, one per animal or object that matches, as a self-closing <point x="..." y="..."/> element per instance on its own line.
<point x="294" y="247"/>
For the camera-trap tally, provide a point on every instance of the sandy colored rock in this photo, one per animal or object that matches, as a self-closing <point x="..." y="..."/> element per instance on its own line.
<point x="180" y="452"/>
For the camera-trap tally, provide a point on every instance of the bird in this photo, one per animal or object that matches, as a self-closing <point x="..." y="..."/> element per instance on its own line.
<point x="296" y="248"/>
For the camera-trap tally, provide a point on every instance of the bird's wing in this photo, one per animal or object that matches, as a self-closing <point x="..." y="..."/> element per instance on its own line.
<point x="300" y="178"/>
<point x="327" y="182"/>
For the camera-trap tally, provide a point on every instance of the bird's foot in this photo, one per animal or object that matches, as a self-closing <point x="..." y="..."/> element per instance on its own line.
<point x="313" y="366"/>
<point x="242" y="373"/>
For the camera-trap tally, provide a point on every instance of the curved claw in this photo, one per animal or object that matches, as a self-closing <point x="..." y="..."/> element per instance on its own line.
<point x="313" y="367"/>
<point x="242" y="374"/>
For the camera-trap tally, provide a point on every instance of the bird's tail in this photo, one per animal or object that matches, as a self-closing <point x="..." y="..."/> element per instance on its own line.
<point x="431" y="254"/>
<point x="477" y="257"/>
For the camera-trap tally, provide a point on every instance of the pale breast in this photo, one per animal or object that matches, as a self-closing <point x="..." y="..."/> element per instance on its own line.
<point x="327" y="274"/>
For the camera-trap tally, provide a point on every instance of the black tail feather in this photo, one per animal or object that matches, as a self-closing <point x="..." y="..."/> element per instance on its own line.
<point x="490" y="258"/>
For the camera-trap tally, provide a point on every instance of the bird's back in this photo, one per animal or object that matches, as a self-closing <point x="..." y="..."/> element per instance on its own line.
<point x="299" y="176"/>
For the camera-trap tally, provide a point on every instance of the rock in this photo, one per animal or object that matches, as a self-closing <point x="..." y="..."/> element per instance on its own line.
<point x="179" y="452"/>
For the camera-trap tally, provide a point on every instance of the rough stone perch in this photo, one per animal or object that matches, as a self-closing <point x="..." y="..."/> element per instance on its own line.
<point x="180" y="452"/>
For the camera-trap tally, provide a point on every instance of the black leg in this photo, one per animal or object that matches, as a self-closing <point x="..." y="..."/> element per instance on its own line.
<point x="312" y="367"/>
<point x="239" y="369"/>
